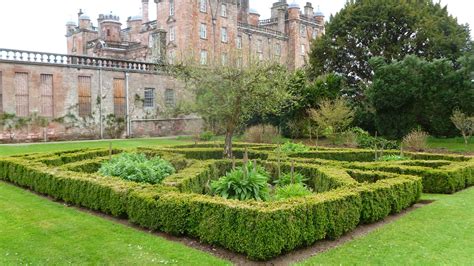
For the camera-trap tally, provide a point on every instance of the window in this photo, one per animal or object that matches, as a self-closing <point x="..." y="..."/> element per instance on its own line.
<point x="278" y="49"/>
<point x="224" y="59"/>
<point x="171" y="57"/>
<point x="315" y="33"/>
<point x="224" y="10"/>
<point x="260" y="46"/>
<point x="172" y="34"/>
<point x="303" y="30"/>
<point x="203" y="57"/>
<point x="170" y="100"/>
<point x="119" y="98"/>
<point x="1" y="94"/>
<point x="171" y="8"/>
<point x="108" y="32"/>
<point x="239" y="42"/>
<point x="203" y="6"/>
<point x="260" y="56"/>
<point x="22" y="94"/>
<point x="84" y="91"/>
<point x="303" y="49"/>
<point x="203" y="31"/>
<point x="224" y="34"/>
<point x="46" y="90"/>
<point x="149" y="101"/>
<point x="240" y="62"/>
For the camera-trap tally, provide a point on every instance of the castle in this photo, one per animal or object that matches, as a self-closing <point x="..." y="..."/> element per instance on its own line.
<point x="207" y="31"/>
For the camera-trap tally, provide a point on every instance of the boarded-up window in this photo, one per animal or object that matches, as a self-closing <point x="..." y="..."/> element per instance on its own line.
<point x="46" y="89"/>
<point x="22" y="94"/>
<point x="119" y="97"/>
<point x="1" y="93"/>
<point x="170" y="100"/>
<point x="84" y="93"/>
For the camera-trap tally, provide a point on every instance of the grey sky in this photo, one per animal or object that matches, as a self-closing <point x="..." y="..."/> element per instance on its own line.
<point x="39" y="25"/>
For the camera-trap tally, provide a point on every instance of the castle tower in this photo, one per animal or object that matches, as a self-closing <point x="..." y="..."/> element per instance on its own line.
<point x="109" y="27"/>
<point x="294" y="42"/>
<point x="243" y="6"/>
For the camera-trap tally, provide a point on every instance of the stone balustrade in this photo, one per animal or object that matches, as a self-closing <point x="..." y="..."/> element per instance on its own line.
<point x="75" y="61"/>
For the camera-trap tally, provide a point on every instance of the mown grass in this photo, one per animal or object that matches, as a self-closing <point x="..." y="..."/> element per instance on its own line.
<point x="438" y="234"/>
<point x="35" y="230"/>
<point x="11" y="149"/>
<point x="452" y="144"/>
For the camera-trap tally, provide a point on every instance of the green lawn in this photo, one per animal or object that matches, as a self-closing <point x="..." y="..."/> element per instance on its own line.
<point x="6" y="150"/>
<point x="35" y="230"/>
<point x="453" y="144"/>
<point x="438" y="234"/>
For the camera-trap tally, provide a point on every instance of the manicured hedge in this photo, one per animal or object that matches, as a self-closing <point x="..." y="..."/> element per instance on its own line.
<point x="346" y="193"/>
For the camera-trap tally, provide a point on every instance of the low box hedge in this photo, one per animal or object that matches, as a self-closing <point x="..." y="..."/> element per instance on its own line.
<point x="346" y="194"/>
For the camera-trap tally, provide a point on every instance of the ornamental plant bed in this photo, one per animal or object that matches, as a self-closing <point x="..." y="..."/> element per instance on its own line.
<point x="348" y="189"/>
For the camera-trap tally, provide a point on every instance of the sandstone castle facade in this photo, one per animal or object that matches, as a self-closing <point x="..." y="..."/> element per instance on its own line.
<point x="115" y="71"/>
<point x="206" y="31"/>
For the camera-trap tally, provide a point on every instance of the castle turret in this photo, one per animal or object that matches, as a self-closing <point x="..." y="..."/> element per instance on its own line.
<point x="277" y="6"/>
<point x="294" y="42"/>
<point x="70" y="28"/>
<point x="84" y="22"/>
<point x="319" y="16"/>
<point x="109" y="27"/>
<point x="254" y="17"/>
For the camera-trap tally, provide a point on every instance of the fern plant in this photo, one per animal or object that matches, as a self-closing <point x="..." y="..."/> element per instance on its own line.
<point x="243" y="183"/>
<point x="286" y="179"/>
<point x="138" y="168"/>
<point x="291" y="191"/>
<point x="290" y="147"/>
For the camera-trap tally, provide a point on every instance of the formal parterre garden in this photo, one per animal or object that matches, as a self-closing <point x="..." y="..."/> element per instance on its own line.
<point x="267" y="201"/>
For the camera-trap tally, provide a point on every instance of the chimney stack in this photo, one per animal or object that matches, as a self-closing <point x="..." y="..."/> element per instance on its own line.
<point x="145" y="15"/>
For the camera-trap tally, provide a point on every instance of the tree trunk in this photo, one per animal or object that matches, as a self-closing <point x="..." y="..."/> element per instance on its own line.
<point x="228" y="144"/>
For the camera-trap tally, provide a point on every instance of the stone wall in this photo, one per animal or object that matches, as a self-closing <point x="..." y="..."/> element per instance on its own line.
<point x="65" y="99"/>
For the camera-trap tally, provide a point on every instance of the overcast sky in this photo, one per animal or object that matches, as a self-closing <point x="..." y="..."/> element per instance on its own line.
<point x="39" y="25"/>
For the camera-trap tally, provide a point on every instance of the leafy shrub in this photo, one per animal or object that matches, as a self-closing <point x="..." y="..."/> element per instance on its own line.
<point x="390" y="158"/>
<point x="416" y="140"/>
<point x="206" y="136"/>
<point x="286" y="179"/>
<point x="262" y="134"/>
<point x="365" y="140"/>
<point x="291" y="191"/>
<point x="243" y="185"/>
<point x="138" y="168"/>
<point x="290" y="147"/>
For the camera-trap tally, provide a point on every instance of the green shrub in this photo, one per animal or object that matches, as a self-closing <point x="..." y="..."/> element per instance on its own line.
<point x="366" y="141"/>
<point x="138" y="168"/>
<point x="390" y="158"/>
<point x="290" y="147"/>
<point x="286" y="179"/>
<point x="243" y="183"/>
<point x="416" y="140"/>
<point x="291" y="191"/>
<point x="206" y="136"/>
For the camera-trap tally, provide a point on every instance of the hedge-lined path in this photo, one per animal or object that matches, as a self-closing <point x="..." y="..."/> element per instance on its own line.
<point x="35" y="230"/>
<point x="441" y="233"/>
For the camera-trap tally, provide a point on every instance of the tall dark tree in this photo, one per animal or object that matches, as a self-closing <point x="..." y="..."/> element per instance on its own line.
<point x="415" y="93"/>
<point x="390" y="29"/>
